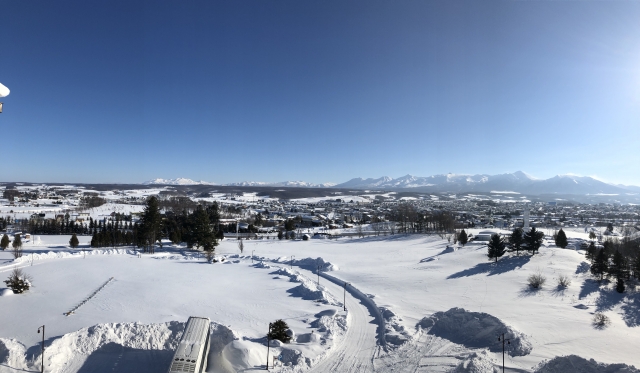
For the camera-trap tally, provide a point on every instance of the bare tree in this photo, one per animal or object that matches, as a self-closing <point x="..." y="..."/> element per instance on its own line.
<point x="241" y="246"/>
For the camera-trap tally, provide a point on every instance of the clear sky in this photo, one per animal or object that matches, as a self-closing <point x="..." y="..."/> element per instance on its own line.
<point x="321" y="91"/>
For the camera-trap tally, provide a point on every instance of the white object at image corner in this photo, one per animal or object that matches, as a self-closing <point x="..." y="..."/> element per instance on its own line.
<point x="4" y="91"/>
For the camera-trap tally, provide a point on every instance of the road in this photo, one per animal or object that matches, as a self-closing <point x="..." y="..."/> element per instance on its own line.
<point x="357" y="349"/>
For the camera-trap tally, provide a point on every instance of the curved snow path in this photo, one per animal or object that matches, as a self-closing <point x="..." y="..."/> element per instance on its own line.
<point x="357" y="349"/>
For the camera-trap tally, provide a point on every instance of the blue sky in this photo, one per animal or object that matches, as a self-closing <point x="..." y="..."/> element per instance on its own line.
<point x="224" y="91"/>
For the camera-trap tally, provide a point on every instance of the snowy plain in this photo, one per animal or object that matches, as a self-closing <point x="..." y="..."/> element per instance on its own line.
<point x="394" y="283"/>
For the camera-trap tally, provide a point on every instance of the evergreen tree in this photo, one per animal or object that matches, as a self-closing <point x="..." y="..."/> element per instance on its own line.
<point x="496" y="247"/>
<point x="278" y="330"/>
<point x="590" y="255"/>
<point x="4" y="243"/>
<point x="149" y="231"/>
<point x="533" y="240"/>
<point x="17" y="242"/>
<point x="201" y="231"/>
<point x="73" y="242"/>
<point x="561" y="239"/>
<point x="620" y="285"/>
<point x="463" y="238"/>
<point x="280" y="235"/>
<point x="600" y="264"/>
<point x="619" y="266"/>
<point x="636" y="267"/>
<point x="516" y="239"/>
<point x="592" y="235"/>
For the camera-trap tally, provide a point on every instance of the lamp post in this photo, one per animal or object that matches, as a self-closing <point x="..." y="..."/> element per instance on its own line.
<point x="42" y="368"/>
<point x="344" y="301"/>
<point x="291" y="264"/>
<point x="502" y="339"/>
<point x="268" y="346"/>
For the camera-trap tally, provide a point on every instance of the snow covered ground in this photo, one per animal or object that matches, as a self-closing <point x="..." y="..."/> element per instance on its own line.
<point x="414" y="304"/>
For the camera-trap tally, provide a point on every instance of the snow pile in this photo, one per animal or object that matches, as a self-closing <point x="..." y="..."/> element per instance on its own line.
<point x="395" y="333"/>
<point x="478" y="362"/>
<point x="12" y="354"/>
<point x="70" y="254"/>
<point x="261" y="264"/>
<point x="312" y="264"/>
<point x="5" y="292"/>
<point x="308" y="290"/>
<point x="330" y="323"/>
<point x="577" y="364"/>
<point x="476" y="330"/>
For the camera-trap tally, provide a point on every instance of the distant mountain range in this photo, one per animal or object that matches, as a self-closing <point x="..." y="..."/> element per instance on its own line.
<point x="291" y="184"/>
<point x="518" y="182"/>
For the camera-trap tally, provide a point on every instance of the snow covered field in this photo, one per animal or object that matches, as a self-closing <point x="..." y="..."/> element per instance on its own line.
<point x="400" y="297"/>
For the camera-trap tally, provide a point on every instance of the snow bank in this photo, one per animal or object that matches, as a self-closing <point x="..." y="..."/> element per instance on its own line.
<point x="308" y="289"/>
<point x="395" y="333"/>
<point x="165" y="336"/>
<point x="5" y="292"/>
<point x="70" y="254"/>
<point x="478" y="362"/>
<point x="476" y="330"/>
<point x="312" y="264"/>
<point x="577" y="364"/>
<point x="12" y="354"/>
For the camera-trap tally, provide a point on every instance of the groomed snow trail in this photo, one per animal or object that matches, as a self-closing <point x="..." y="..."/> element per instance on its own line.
<point x="356" y="351"/>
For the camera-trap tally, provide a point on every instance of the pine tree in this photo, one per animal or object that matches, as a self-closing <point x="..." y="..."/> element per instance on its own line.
<point x="620" y="285"/>
<point x="278" y="330"/>
<point x="516" y="239"/>
<point x="590" y="255"/>
<point x="149" y="231"/>
<point x="17" y="242"/>
<point x="280" y="235"/>
<point x="600" y="264"/>
<point x="4" y="243"/>
<point x="496" y="247"/>
<point x="561" y="239"/>
<point x="201" y="231"/>
<point x="73" y="242"/>
<point x="463" y="238"/>
<point x="533" y="240"/>
<point x="636" y="267"/>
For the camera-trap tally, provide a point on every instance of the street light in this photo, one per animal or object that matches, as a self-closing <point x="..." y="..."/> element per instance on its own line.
<point x="270" y="324"/>
<point x="344" y="301"/>
<point x="42" y="368"/>
<point x="502" y="339"/>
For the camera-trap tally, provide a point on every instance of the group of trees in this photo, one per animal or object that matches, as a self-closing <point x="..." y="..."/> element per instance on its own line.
<point x="16" y="244"/>
<point x="196" y="228"/>
<point x="615" y="259"/>
<point x="517" y="240"/>
<point x="410" y="220"/>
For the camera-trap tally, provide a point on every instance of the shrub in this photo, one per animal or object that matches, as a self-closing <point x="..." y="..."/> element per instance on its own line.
<point x="18" y="281"/>
<point x="536" y="280"/>
<point x="278" y="331"/>
<point x="600" y="320"/>
<point x="564" y="281"/>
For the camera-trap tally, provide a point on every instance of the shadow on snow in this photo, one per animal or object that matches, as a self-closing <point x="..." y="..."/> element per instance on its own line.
<point x="504" y="265"/>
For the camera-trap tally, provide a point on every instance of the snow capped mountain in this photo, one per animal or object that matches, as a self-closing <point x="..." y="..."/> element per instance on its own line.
<point x="291" y="184"/>
<point x="516" y="182"/>
<point x="178" y="181"/>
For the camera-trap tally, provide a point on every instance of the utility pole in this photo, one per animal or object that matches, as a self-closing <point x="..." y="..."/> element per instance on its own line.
<point x="42" y="368"/>
<point x="252" y="251"/>
<point x="318" y="271"/>
<point x="291" y="265"/>
<point x="503" y="340"/>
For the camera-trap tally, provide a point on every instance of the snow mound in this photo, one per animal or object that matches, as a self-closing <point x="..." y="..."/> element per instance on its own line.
<point x="5" y="292"/>
<point x="308" y="290"/>
<point x="12" y="354"/>
<point x="70" y="254"/>
<point x="312" y="264"/>
<point x="577" y="364"/>
<point x="261" y="265"/>
<point x="244" y="355"/>
<point x="395" y="333"/>
<point x="478" y="362"/>
<point x="165" y="336"/>
<point x="476" y="330"/>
